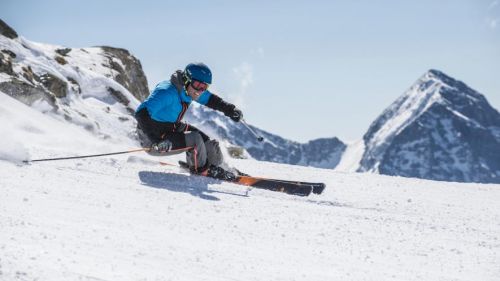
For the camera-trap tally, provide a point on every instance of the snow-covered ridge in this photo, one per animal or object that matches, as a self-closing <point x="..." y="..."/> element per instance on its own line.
<point x="432" y="131"/>
<point x="95" y="88"/>
<point x="421" y="95"/>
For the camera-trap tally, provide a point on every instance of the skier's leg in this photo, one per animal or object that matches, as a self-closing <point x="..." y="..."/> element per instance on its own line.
<point x="197" y="156"/>
<point x="205" y="157"/>
<point x="214" y="154"/>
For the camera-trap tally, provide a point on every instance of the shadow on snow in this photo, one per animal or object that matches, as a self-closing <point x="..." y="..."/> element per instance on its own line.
<point x="194" y="185"/>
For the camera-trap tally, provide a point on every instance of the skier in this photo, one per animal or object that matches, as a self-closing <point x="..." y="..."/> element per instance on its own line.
<point x="160" y="126"/>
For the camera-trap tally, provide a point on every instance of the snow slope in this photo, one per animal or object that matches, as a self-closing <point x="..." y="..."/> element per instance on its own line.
<point x="127" y="218"/>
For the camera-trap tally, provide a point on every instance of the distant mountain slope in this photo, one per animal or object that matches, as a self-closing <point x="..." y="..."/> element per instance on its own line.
<point x="439" y="129"/>
<point x="322" y="153"/>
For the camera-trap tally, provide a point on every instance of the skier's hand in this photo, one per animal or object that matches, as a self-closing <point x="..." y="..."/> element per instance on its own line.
<point x="162" y="147"/>
<point x="236" y="115"/>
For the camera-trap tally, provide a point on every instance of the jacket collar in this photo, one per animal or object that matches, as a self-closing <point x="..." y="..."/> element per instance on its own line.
<point x="177" y="79"/>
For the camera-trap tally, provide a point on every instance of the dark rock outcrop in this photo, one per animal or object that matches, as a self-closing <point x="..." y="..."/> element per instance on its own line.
<point x="131" y="76"/>
<point x="27" y="93"/>
<point x="6" y="64"/>
<point x="7" y="31"/>
<point x="54" y="85"/>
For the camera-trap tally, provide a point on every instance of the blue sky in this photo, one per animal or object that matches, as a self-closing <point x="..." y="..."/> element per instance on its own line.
<point x="301" y="69"/>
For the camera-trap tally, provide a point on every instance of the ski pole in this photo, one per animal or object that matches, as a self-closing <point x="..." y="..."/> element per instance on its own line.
<point x="173" y="151"/>
<point x="88" y="156"/>
<point x="259" y="138"/>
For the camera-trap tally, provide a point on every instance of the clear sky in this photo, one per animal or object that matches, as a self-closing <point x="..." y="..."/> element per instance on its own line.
<point x="301" y="69"/>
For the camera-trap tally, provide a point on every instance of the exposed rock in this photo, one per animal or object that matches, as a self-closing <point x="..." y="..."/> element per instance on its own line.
<point x="29" y="75"/>
<point x="61" y="60"/>
<point x="63" y="52"/>
<point x="119" y="96"/>
<point x="76" y="87"/>
<point x="27" y="93"/>
<point x="6" y="65"/>
<point x="131" y="76"/>
<point x="237" y="152"/>
<point x="10" y="53"/>
<point x="7" y="31"/>
<point x="54" y="85"/>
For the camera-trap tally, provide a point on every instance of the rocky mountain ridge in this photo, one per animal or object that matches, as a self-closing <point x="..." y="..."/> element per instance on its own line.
<point x="440" y="129"/>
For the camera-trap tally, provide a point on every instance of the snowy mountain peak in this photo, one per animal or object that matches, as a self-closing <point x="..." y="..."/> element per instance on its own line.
<point x="441" y="77"/>
<point x="433" y="131"/>
<point x="416" y="100"/>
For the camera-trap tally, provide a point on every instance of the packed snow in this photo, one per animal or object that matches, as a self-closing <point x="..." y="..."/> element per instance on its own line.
<point x="126" y="217"/>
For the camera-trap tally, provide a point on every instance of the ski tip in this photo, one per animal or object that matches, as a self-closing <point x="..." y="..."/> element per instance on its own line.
<point x="318" y="189"/>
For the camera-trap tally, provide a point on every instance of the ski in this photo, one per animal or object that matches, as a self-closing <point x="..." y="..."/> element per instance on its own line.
<point x="285" y="186"/>
<point x="318" y="187"/>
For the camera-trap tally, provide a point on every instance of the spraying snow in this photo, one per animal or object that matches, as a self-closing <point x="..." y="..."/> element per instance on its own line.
<point x="11" y="150"/>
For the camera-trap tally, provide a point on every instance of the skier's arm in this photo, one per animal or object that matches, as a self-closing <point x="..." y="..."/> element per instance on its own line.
<point x="215" y="102"/>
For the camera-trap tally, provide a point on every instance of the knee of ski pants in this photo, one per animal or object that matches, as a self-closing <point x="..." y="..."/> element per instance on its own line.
<point x="214" y="153"/>
<point x="196" y="157"/>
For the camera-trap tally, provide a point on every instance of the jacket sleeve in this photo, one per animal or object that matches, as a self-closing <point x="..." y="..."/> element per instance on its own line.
<point x="217" y="103"/>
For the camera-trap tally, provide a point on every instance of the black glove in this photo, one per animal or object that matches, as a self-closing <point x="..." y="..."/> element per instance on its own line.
<point x="162" y="147"/>
<point x="235" y="114"/>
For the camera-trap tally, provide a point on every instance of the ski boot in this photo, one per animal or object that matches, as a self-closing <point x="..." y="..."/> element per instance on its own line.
<point x="219" y="173"/>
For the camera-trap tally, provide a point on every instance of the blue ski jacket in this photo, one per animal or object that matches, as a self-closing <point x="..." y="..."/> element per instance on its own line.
<point x="169" y="101"/>
<point x="166" y="104"/>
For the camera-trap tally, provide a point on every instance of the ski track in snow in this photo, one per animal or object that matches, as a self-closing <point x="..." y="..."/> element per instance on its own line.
<point x="113" y="219"/>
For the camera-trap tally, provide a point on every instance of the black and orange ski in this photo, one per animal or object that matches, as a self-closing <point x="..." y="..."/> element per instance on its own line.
<point x="290" y="187"/>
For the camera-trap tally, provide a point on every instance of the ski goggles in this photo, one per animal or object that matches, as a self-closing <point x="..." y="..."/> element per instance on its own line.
<point x="199" y="86"/>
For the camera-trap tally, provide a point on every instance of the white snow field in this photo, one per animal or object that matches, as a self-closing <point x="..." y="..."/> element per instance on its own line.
<point x="125" y="217"/>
